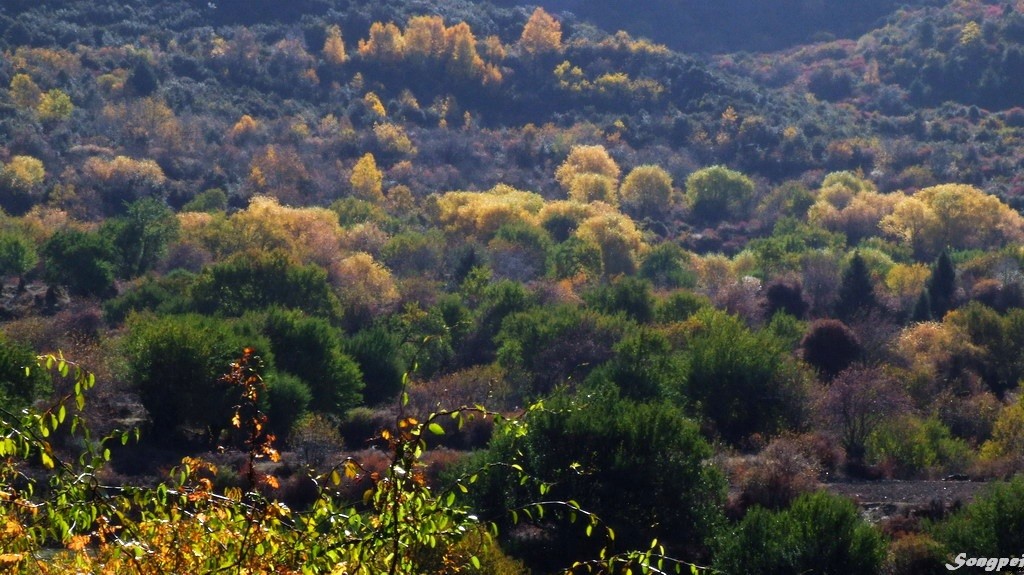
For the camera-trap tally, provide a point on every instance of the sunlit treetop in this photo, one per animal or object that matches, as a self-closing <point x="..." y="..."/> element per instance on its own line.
<point x="385" y="43"/>
<point x="482" y="213"/>
<point x="23" y="172"/>
<point x="334" y="47"/>
<point x="305" y="234"/>
<point x="647" y="191"/>
<point x="956" y="216"/>
<point x="367" y="180"/>
<point x="24" y="92"/>
<point x="541" y="34"/>
<point x="425" y="38"/>
<point x="586" y="160"/>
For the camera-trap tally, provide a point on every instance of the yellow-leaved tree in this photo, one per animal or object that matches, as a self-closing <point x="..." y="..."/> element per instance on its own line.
<point x="123" y="180"/>
<point x="307" y="235"/>
<point x="425" y="39"/>
<point x="21" y="183"/>
<point x="281" y="172"/>
<point x="956" y="216"/>
<point x="385" y="44"/>
<point x="334" y="47"/>
<point x="54" y="106"/>
<point x="23" y="172"/>
<point x="24" y="92"/>
<point x="616" y="236"/>
<point x="586" y="160"/>
<point x="481" y="213"/>
<point x="464" y="62"/>
<point x="589" y="187"/>
<point x="850" y="204"/>
<point x="367" y="181"/>
<point x="541" y="34"/>
<point x="363" y="285"/>
<point x="647" y="191"/>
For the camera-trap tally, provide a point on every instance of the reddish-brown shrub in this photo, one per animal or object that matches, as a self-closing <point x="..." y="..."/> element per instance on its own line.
<point x="784" y="470"/>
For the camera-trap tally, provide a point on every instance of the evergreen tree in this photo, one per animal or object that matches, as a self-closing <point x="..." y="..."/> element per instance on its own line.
<point x="856" y="293"/>
<point x="142" y="80"/>
<point x="922" y="308"/>
<point x="942" y="285"/>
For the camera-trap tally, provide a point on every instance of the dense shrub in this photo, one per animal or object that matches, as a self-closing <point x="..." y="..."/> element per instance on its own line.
<point x="176" y="362"/>
<point x="83" y="261"/>
<point x="289" y="399"/>
<point x="628" y="296"/>
<point x="163" y="295"/>
<point x="741" y="379"/>
<point x="785" y="297"/>
<point x="910" y="447"/>
<point x="915" y="553"/>
<point x="679" y="306"/>
<point x="638" y="466"/>
<point x="310" y="349"/>
<point x="17" y="254"/>
<point x="718" y="193"/>
<point x="991" y="526"/>
<point x="664" y="266"/>
<point x="819" y="533"/>
<point x="496" y="302"/>
<point x="645" y="367"/>
<point x="257" y="280"/>
<point x="781" y="472"/>
<point x="830" y="346"/>
<point x="141" y="235"/>
<point x="377" y="354"/>
<point x="551" y="347"/>
<point x="21" y="382"/>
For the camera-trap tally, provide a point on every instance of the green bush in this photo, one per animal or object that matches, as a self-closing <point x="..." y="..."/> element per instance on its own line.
<point x="629" y="296"/>
<point x="743" y="380"/>
<point x="19" y="389"/>
<point x="413" y="253"/>
<point x="639" y="466"/>
<point x="991" y="526"/>
<point x="679" y="306"/>
<point x="820" y="533"/>
<point x="256" y="280"/>
<point x="17" y="254"/>
<point x="162" y="295"/>
<point x="83" y="261"/>
<point x="645" y="367"/>
<point x="547" y="347"/>
<point x="352" y="211"/>
<point x="663" y="266"/>
<point x="377" y="353"/>
<point x="211" y="201"/>
<point x="310" y="349"/>
<point x="497" y="301"/>
<point x="575" y="257"/>
<point x="141" y="236"/>
<point x="912" y="446"/>
<point x="718" y="193"/>
<point x="288" y="398"/>
<point x="176" y="364"/>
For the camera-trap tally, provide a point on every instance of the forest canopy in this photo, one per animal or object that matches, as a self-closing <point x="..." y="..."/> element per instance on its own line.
<point x="481" y="287"/>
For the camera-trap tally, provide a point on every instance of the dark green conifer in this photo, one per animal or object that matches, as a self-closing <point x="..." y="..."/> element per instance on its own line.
<point x="942" y="285"/>
<point x="922" y="308"/>
<point x="856" y="293"/>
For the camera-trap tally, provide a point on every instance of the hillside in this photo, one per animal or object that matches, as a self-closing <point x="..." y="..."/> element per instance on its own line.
<point x="369" y="283"/>
<point x="733" y="25"/>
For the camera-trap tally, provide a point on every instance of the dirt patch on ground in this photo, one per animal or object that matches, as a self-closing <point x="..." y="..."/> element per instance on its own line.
<point x="879" y="500"/>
